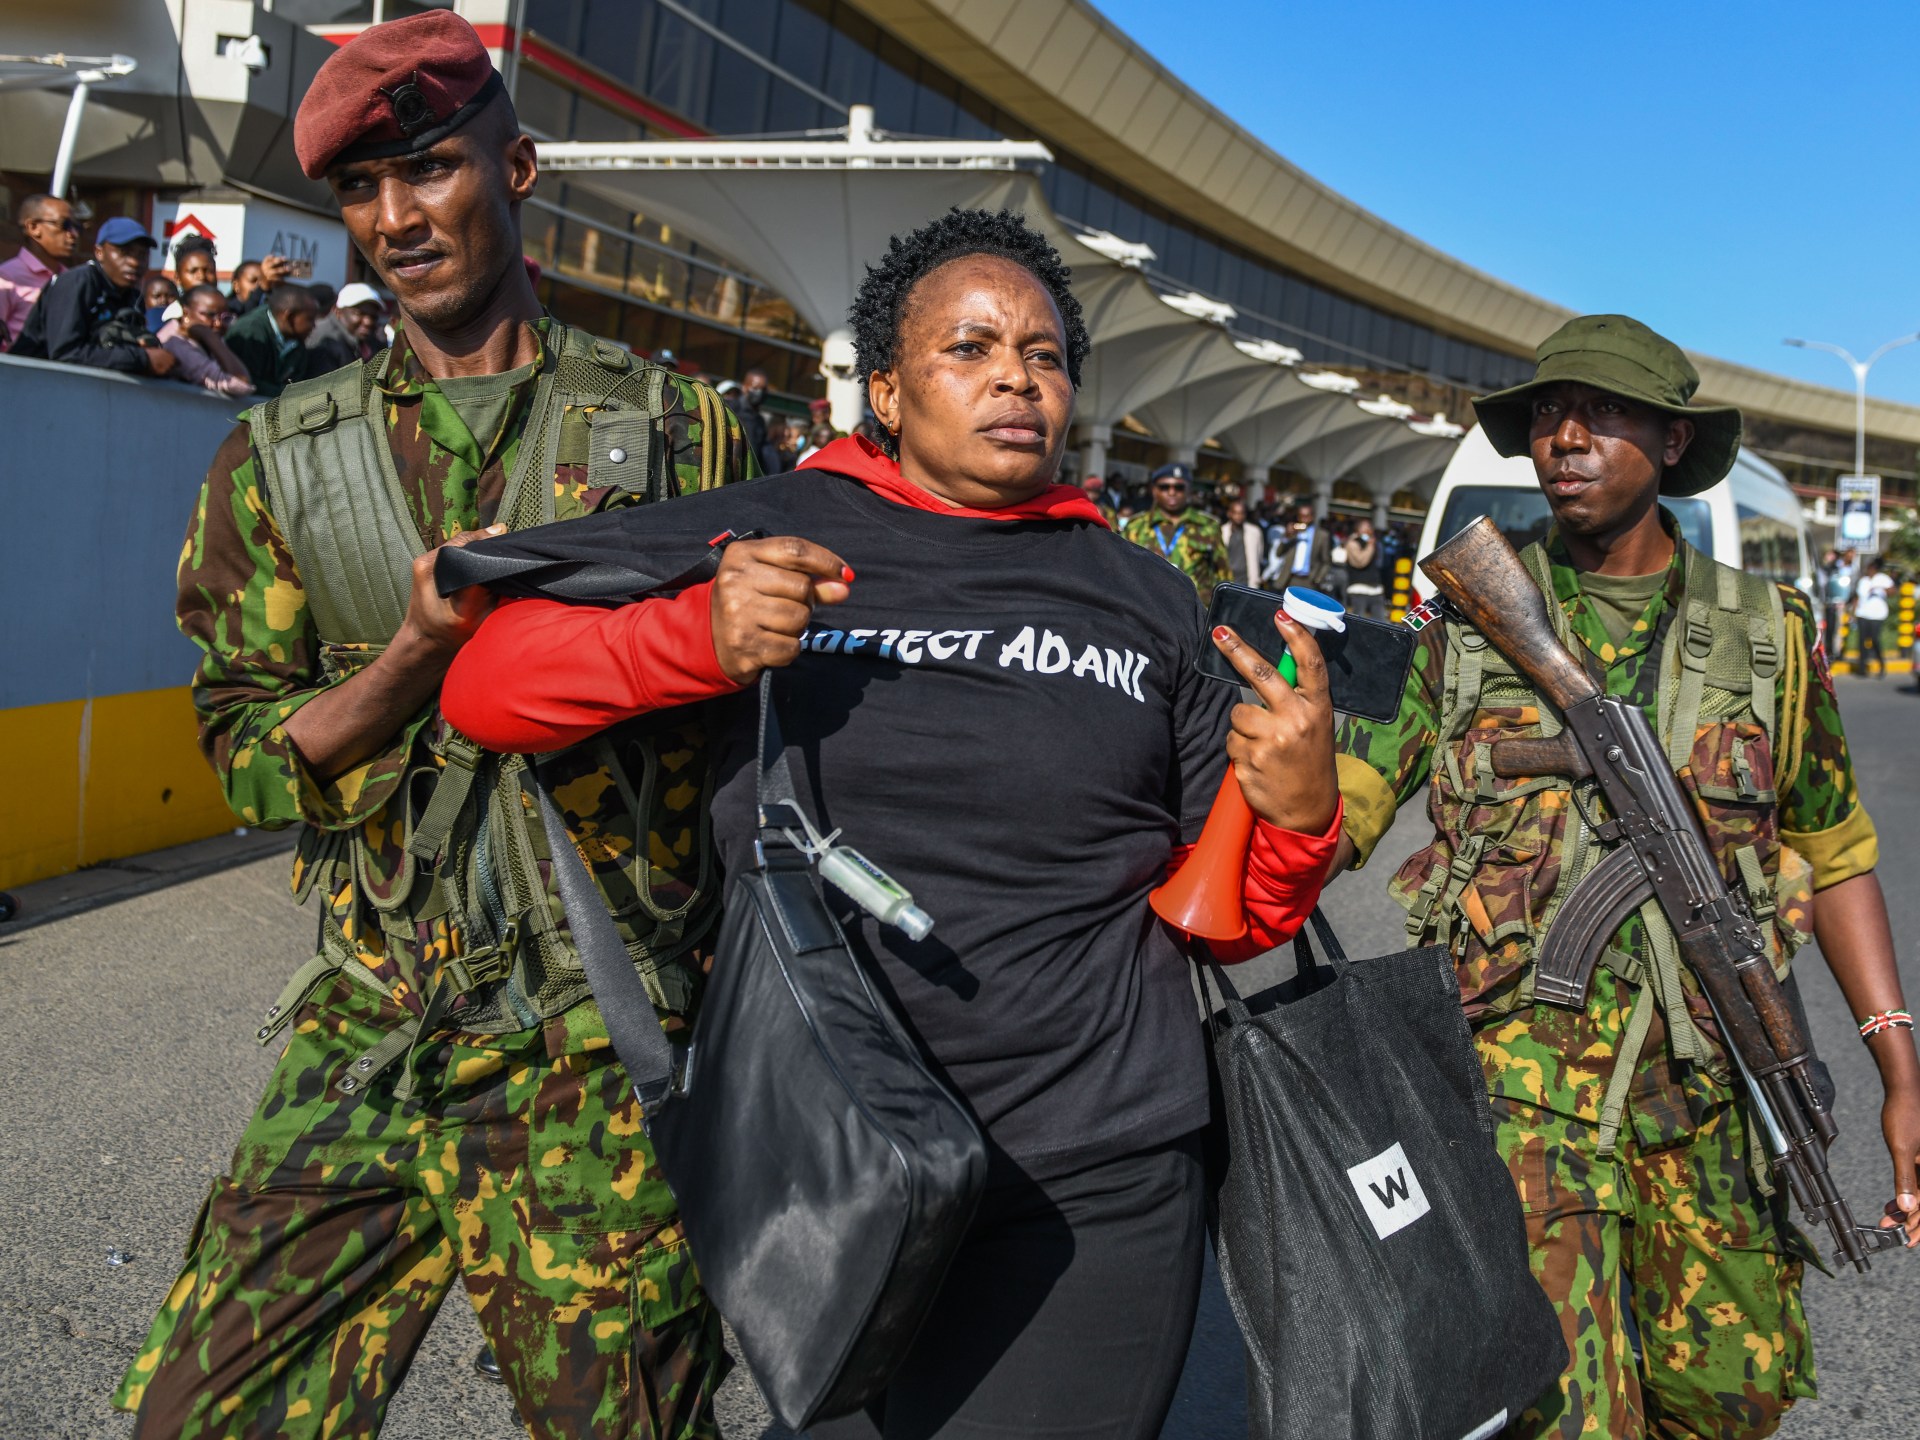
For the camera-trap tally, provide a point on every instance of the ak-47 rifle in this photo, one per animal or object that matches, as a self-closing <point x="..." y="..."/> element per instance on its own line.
<point x="1660" y="855"/>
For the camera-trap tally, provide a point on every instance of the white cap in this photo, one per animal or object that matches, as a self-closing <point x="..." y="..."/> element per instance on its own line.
<point x="1312" y="609"/>
<point x="357" y="294"/>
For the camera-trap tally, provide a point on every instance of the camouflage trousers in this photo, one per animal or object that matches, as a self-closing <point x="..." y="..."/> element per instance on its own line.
<point x="1712" y="1270"/>
<point x="519" y="1165"/>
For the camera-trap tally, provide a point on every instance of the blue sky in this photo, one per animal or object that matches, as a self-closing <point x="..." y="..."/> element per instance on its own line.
<point x="1729" y="173"/>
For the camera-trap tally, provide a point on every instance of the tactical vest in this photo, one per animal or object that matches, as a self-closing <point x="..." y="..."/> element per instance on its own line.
<point x="473" y="843"/>
<point x="1508" y="852"/>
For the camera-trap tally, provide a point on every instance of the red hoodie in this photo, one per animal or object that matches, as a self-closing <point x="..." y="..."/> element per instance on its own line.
<point x="860" y="458"/>
<point x="544" y="674"/>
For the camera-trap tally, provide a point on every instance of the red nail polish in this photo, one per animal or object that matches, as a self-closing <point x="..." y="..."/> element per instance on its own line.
<point x="1219" y="632"/>
<point x="846" y="573"/>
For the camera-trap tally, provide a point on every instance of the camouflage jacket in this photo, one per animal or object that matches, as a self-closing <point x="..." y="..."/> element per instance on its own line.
<point x="1810" y="830"/>
<point x="241" y="601"/>
<point x="1190" y="543"/>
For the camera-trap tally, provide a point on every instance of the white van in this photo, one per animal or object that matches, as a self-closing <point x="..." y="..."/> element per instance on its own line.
<point x="1750" y="519"/>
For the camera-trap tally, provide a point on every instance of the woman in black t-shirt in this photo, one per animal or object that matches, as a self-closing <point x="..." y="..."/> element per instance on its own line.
<point x="994" y="697"/>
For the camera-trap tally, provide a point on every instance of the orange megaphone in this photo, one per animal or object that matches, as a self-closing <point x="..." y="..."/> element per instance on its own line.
<point x="1203" y="897"/>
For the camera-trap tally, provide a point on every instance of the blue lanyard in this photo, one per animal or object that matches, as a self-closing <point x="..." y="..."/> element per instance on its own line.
<point x="1166" y="546"/>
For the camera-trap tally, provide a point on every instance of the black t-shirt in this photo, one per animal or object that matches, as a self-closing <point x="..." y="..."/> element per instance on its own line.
<point x="1005" y="718"/>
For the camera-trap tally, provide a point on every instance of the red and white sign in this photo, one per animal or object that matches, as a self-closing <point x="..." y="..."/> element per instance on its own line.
<point x="316" y="245"/>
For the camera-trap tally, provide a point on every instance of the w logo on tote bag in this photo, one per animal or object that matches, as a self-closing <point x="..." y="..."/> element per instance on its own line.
<point x="1389" y="1190"/>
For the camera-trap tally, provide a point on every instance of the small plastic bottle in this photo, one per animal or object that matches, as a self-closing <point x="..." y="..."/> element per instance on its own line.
<point x="874" y="891"/>
<point x="1313" y="610"/>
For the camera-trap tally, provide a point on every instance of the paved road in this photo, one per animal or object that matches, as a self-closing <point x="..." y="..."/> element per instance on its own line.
<point x="130" y="1072"/>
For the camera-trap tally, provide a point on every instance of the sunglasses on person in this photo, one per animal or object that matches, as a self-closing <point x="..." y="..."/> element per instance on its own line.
<point x="1171" y="485"/>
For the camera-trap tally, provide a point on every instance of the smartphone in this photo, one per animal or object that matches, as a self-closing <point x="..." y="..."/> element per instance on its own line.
<point x="1367" y="663"/>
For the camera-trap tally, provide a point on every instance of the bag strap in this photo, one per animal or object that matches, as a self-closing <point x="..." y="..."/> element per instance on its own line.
<point x="1305" y="960"/>
<point x="779" y="805"/>
<point x="1330" y="942"/>
<point x="631" y="1020"/>
<point x="632" y="1023"/>
<point x="1229" y="997"/>
<point x="1303" y="952"/>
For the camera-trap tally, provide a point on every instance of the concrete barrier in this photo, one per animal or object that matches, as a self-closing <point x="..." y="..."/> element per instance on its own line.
<point x="98" y="474"/>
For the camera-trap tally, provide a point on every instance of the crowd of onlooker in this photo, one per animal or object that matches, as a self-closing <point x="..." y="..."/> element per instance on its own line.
<point x="779" y="442"/>
<point x="115" y="310"/>
<point x="1281" y="540"/>
<point x="262" y="331"/>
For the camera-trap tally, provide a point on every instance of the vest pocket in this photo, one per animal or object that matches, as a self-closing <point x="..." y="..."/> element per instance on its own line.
<point x="1731" y="764"/>
<point x="383" y="866"/>
<point x="1792" y="904"/>
<point x="1730" y="778"/>
<point x="1483" y="887"/>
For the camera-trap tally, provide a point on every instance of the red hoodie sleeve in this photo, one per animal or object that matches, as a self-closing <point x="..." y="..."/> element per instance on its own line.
<point x="1286" y="871"/>
<point x="542" y="674"/>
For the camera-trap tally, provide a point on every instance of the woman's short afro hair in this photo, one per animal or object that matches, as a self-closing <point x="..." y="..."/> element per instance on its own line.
<point x="881" y="304"/>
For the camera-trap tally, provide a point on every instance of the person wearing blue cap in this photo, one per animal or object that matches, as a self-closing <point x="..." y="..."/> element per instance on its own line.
<point x="92" y="315"/>
<point x="1185" y="537"/>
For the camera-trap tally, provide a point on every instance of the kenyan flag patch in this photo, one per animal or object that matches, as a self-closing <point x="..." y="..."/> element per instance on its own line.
<point x="1424" y="614"/>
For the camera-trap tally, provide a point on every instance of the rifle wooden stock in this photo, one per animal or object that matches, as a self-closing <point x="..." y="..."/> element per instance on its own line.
<point x="1480" y="573"/>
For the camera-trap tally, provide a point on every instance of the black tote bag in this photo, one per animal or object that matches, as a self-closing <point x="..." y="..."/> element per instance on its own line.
<point x="1368" y="1235"/>
<point x="825" y="1177"/>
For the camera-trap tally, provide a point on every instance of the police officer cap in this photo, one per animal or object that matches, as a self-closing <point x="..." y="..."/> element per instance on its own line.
<point x="394" y="89"/>
<point x="1178" y="470"/>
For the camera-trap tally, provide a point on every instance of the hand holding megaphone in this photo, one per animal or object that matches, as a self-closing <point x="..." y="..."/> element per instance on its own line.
<point x="1280" y="768"/>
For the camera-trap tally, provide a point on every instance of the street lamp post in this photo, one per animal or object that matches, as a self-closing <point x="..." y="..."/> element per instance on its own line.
<point x="1860" y="369"/>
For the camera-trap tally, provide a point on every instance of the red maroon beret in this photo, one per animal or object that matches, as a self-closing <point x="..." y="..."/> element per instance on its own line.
<point x="394" y="89"/>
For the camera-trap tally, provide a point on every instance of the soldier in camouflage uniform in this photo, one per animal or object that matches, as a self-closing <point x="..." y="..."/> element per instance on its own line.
<point x="1186" y="538"/>
<point x="1628" y="1143"/>
<point x="447" y="1104"/>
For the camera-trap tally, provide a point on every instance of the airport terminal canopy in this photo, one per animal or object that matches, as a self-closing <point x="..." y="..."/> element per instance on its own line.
<point x="1168" y="360"/>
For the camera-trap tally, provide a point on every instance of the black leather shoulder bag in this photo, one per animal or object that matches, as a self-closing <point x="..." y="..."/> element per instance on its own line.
<point x="825" y="1177"/>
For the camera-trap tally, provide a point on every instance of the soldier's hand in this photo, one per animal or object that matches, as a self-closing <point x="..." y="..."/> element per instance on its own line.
<point x="445" y="623"/>
<point x="1900" y="1122"/>
<point x="274" y="269"/>
<point x="1283" y="754"/>
<point x="763" y="599"/>
<point x="160" y="360"/>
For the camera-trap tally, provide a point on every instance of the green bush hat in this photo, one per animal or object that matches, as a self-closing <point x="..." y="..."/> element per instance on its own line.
<point x="1620" y="355"/>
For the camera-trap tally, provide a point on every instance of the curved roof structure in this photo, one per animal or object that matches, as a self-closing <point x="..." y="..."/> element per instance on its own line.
<point x="1166" y="357"/>
<point x="1076" y="78"/>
